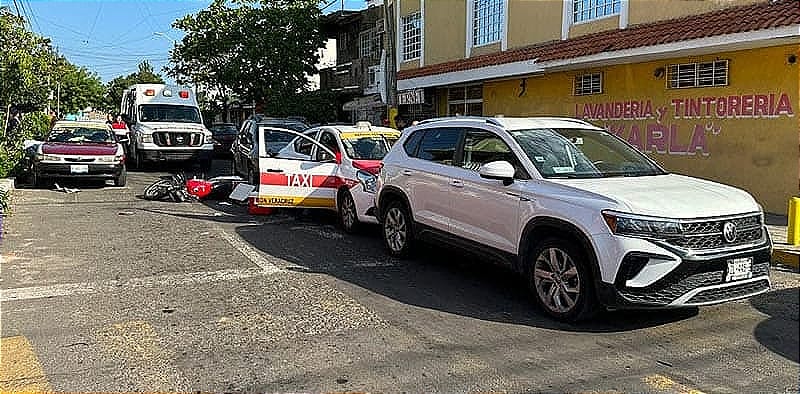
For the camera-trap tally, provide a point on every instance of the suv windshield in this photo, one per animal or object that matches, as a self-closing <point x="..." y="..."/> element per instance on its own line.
<point x="168" y="113"/>
<point x="371" y="147"/>
<point x="81" y="135"/>
<point x="582" y="153"/>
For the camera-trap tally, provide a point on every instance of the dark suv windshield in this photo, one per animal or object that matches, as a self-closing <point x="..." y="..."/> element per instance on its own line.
<point x="168" y="113"/>
<point x="582" y="153"/>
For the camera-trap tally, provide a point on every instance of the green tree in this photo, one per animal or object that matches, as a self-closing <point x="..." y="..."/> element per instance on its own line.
<point x="77" y="88"/>
<point x="25" y="64"/>
<point x="258" y="50"/>
<point x="114" y="89"/>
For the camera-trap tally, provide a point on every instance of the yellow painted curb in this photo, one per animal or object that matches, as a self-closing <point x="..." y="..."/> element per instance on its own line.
<point x="789" y="258"/>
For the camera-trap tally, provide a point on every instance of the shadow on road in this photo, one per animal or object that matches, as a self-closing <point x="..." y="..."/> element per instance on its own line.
<point x="438" y="278"/>
<point x="778" y="333"/>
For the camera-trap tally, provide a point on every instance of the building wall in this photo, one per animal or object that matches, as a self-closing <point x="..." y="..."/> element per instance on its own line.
<point x="409" y="7"/>
<point x="533" y="21"/>
<point x="646" y="11"/>
<point x="756" y="152"/>
<point x="445" y="30"/>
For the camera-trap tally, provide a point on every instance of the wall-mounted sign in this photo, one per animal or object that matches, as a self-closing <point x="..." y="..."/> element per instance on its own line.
<point x="415" y="96"/>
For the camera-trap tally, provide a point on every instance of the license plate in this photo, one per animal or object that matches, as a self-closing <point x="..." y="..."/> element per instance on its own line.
<point x="739" y="269"/>
<point x="79" y="168"/>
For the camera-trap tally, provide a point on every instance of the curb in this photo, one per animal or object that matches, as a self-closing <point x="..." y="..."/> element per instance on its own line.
<point x="791" y="259"/>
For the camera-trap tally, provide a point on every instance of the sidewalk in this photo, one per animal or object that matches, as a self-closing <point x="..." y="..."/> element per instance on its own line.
<point x="782" y="252"/>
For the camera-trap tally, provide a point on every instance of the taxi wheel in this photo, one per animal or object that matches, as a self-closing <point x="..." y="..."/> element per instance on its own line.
<point x="348" y="217"/>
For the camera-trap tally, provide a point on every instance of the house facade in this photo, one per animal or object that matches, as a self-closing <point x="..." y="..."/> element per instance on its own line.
<point x="358" y="73"/>
<point x="706" y="88"/>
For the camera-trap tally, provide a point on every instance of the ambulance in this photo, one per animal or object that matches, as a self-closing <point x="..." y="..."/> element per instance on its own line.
<point x="166" y="125"/>
<point x="329" y="167"/>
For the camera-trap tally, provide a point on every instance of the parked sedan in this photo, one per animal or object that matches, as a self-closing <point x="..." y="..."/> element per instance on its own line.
<point x="82" y="149"/>
<point x="223" y="134"/>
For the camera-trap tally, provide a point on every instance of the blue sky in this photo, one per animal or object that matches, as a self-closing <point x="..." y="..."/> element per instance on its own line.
<point x="112" y="37"/>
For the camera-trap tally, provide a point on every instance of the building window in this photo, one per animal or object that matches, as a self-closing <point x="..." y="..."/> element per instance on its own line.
<point x="412" y="36"/>
<point x="586" y="10"/>
<point x="369" y="44"/>
<point x="588" y="84"/>
<point x="487" y="21"/>
<point x="692" y="75"/>
<point x="465" y="100"/>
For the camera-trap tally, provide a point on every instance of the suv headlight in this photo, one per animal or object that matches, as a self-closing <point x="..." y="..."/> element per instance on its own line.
<point x="369" y="181"/>
<point x="640" y="226"/>
<point x="147" y="138"/>
<point x="43" y="157"/>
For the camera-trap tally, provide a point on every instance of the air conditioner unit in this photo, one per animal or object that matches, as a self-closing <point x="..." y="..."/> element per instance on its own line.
<point x="379" y="27"/>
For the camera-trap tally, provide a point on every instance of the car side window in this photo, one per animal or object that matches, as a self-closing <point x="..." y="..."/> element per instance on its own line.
<point x="481" y="147"/>
<point x="328" y="140"/>
<point x="303" y="146"/>
<point x="439" y="145"/>
<point x="412" y="143"/>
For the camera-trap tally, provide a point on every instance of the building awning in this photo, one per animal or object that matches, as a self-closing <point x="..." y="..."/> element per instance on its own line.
<point x="363" y="103"/>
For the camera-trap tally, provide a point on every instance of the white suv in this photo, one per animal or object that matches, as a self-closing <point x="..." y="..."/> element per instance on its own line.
<point x="586" y="218"/>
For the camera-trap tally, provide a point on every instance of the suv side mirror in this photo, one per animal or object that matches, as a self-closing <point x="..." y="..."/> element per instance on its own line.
<point x="500" y="170"/>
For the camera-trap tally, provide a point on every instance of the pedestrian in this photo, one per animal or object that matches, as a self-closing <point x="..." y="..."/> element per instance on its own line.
<point x="13" y="122"/>
<point x="110" y="119"/>
<point x="119" y="123"/>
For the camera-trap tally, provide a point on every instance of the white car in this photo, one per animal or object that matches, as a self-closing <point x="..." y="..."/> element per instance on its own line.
<point x="586" y="218"/>
<point x="331" y="167"/>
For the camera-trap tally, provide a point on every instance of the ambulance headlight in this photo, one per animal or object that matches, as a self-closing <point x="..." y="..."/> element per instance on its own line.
<point x="147" y="138"/>
<point x="368" y="181"/>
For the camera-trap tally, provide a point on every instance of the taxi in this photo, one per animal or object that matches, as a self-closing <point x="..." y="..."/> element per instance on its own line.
<point x="329" y="167"/>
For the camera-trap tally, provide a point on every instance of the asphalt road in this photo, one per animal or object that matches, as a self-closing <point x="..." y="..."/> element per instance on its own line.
<point x="103" y="291"/>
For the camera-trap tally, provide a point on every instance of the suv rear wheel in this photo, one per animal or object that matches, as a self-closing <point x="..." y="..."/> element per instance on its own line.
<point x="560" y="279"/>
<point x="397" y="229"/>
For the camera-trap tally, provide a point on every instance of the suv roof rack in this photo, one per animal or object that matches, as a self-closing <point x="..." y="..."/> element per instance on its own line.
<point x="444" y="118"/>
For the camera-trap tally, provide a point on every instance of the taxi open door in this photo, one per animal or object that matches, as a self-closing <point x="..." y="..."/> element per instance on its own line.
<point x="291" y="180"/>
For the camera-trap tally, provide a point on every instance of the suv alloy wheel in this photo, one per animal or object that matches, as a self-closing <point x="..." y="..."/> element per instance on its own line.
<point x="561" y="281"/>
<point x="397" y="231"/>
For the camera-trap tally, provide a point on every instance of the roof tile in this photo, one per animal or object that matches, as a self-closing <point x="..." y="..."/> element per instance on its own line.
<point x="758" y="16"/>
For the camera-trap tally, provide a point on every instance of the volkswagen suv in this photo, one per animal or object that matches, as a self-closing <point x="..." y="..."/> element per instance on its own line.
<point x="588" y="220"/>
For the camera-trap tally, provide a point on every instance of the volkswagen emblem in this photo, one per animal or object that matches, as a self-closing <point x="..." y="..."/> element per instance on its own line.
<point x="729" y="232"/>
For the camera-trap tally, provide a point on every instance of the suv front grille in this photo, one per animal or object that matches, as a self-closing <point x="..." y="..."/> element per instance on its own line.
<point x="726" y="293"/>
<point x="669" y="291"/>
<point x="705" y="235"/>
<point x="169" y="138"/>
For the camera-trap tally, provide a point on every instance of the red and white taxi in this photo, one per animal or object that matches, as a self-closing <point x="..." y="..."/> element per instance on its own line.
<point x="79" y="149"/>
<point x="330" y="167"/>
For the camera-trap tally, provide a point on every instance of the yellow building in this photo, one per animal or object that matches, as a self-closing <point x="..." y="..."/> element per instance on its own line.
<point x="707" y="88"/>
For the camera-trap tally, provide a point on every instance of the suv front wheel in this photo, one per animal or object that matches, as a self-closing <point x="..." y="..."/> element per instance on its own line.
<point x="561" y="280"/>
<point x="397" y="229"/>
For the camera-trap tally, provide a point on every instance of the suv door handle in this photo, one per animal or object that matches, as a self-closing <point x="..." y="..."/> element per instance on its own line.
<point x="407" y="172"/>
<point x="456" y="183"/>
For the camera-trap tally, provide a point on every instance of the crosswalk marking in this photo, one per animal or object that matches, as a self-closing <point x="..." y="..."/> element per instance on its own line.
<point x="20" y="369"/>
<point x="172" y="280"/>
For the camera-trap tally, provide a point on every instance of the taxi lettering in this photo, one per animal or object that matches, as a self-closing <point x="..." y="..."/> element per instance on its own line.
<point x="299" y="180"/>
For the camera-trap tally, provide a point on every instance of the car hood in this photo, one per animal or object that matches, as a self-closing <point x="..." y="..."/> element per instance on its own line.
<point x="84" y="149"/>
<point x="174" y="126"/>
<point x="671" y="195"/>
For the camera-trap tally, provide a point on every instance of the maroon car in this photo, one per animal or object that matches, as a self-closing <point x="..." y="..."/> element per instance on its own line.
<point x="83" y="149"/>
